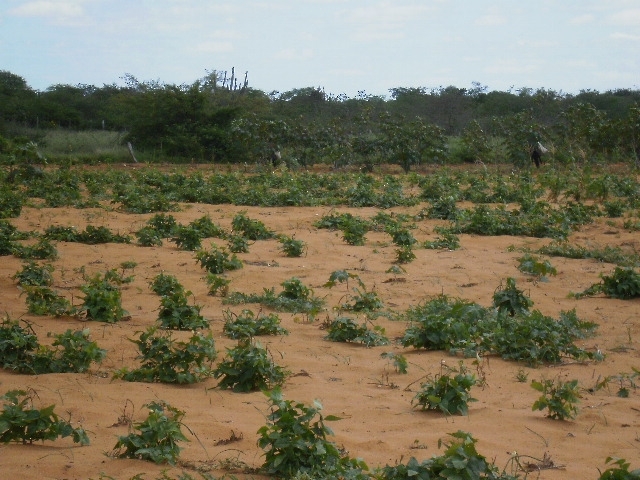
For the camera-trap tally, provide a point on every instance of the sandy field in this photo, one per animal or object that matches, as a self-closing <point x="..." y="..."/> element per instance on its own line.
<point x="351" y="381"/>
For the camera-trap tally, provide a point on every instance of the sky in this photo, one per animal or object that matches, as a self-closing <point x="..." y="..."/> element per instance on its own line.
<point x="342" y="46"/>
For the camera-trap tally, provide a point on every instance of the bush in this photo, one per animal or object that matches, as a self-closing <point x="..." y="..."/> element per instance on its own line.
<point x="447" y="392"/>
<point x="21" y="422"/>
<point x="295" y="442"/>
<point x="103" y="301"/>
<point x="217" y="260"/>
<point x="251" y="229"/>
<point x="558" y="397"/>
<point x="247" y="325"/>
<point x="166" y="360"/>
<point x="344" y="329"/>
<point x="158" y="437"/>
<point x="176" y="314"/>
<point x="247" y="368"/>
<point x="623" y="284"/>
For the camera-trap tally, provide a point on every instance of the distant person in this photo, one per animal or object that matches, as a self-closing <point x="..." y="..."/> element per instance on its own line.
<point x="275" y="157"/>
<point x="537" y="150"/>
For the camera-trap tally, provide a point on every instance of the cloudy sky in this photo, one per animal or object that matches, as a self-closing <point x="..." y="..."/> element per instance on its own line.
<point x="344" y="46"/>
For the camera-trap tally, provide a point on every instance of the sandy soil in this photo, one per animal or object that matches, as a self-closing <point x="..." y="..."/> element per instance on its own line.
<point x="353" y="382"/>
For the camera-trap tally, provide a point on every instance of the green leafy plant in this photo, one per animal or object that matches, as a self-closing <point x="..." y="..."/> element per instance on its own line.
<point x="405" y="254"/>
<point x="447" y="392"/>
<point x="460" y="460"/>
<point x="166" y="360"/>
<point x="353" y="228"/>
<point x="238" y="244"/>
<point x="103" y="300"/>
<point x="295" y="297"/>
<point x="624" y="284"/>
<point x="43" y="249"/>
<point x="361" y="300"/>
<point x="217" y="284"/>
<point x="295" y="441"/>
<point x="251" y="229"/>
<point x="165" y="284"/>
<point x="291" y="247"/>
<point x="45" y="301"/>
<point x="558" y="397"/>
<point x="176" y="313"/>
<point x="248" y="367"/>
<point x="619" y="470"/>
<point x="20" y="421"/>
<point x="445" y="241"/>
<point x="398" y="360"/>
<point x="70" y="352"/>
<point x="510" y="299"/>
<point x="344" y="329"/>
<point x="217" y="260"/>
<point x="34" y="274"/>
<point x="531" y="265"/>
<point x="157" y="438"/>
<point x="187" y="238"/>
<point x="247" y="324"/>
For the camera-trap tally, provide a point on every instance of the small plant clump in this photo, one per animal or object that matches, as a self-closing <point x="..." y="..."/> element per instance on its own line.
<point x="247" y="325"/>
<point x="344" y="329"/>
<point x="250" y="229"/>
<point x="21" y="422"/>
<point x="295" y="441"/>
<point x="217" y="260"/>
<point x="460" y="460"/>
<point x="70" y="352"/>
<point x="624" y="284"/>
<point x="291" y="247"/>
<point x="176" y="313"/>
<point x="167" y="360"/>
<point x="447" y="391"/>
<point x="34" y="275"/>
<point x="165" y="284"/>
<point x="157" y="438"/>
<point x="398" y="360"/>
<point x="103" y="299"/>
<point x="532" y="265"/>
<point x="619" y="470"/>
<point x="511" y="300"/>
<point x="217" y="284"/>
<point x="558" y="397"/>
<point x="248" y="367"/>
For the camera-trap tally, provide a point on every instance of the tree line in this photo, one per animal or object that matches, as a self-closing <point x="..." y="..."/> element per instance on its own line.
<point x="220" y="118"/>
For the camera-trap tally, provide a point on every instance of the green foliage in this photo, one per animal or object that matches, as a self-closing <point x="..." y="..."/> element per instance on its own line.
<point x="399" y="361"/>
<point x="248" y="325"/>
<point x="217" y="284"/>
<point x="217" y="260"/>
<point x="11" y="202"/>
<point x="90" y="235"/>
<point x="361" y="300"/>
<point x="164" y="224"/>
<point x="531" y="265"/>
<point x="353" y="228"/>
<point x="43" y="249"/>
<point x="446" y="241"/>
<point x="207" y="228"/>
<point x="20" y="421"/>
<point x="443" y="208"/>
<point x="405" y="254"/>
<point x="148" y="237"/>
<point x="157" y="438"/>
<point x="344" y="329"/>
<point x="33" y="274"/>
<point x="606" y="254"/>
<point x="295" y="298"/>
<point x="176" y="314"/>
<point x="291" y="247"/>
<point x="460" y="461"/>
<point x="511" y="299"/>
<point x="167" y="360"/>
<point x="238" y="244"/>
<point x="295" y="442"/>
<point x="165" y="284"/>
<point x="249" y="367"/>
<point x="187" y="238"/>
<point x="70" y="351"/>
<point x="458" y="325"/>
<point x="447" y="392"/>
<point x="558" y="397"/>
<point x="45" y="301"/>
<point x="103" y="300"/>
<point x="619" y="470"/>
<point x="623" y="284"/>
<point x="250" y="229"/>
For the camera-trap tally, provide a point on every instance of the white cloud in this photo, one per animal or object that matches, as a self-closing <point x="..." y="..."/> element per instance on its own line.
<point x="491" y="20"/>
<point x="49" y="8"/>
<point x="629" y="18"/>
<point x="214" y="46"/>
<point x="625" y="36"/>
<point x="582" y="19"/>
<point x="293" y="54"/>
<point x="383" y="20"/>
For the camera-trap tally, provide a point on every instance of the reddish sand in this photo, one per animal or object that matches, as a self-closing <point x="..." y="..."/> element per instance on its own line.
<point x="378" y="422"/>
